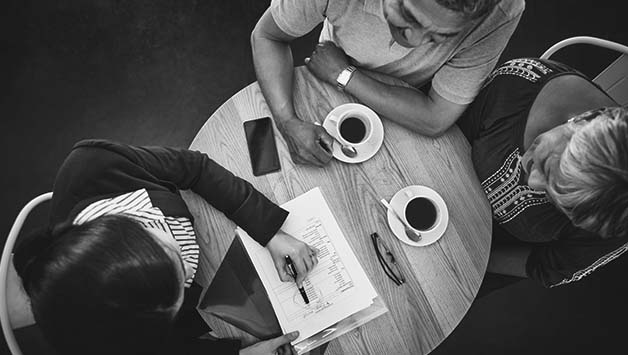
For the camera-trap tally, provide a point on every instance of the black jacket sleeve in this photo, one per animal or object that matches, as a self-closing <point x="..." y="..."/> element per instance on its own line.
<point x="98" y="168"/>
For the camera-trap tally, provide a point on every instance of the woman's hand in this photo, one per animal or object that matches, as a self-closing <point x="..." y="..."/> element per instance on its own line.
<point x="303" y="256"/>
<point x="280" y="345"/>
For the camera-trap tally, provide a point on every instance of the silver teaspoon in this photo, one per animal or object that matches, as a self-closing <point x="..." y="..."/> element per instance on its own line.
<point x="347" y="150"/>
<point x="410" y="232"/>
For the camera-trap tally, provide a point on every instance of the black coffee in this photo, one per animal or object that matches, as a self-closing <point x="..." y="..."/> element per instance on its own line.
<point x="421" y="213"/>
<point x="353" y="130"/>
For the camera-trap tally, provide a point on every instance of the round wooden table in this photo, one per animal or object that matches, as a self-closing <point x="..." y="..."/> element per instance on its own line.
<point x="442" y="278"/>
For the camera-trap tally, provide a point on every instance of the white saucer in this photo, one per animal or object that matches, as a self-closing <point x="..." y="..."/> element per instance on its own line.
<point x="367" y="149"/>
<point x="398" y="203"/>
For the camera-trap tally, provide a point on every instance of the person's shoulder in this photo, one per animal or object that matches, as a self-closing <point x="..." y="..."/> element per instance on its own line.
<point x="90" y="169"/>
<point x="509" y="9"/>
<point x="85" y="151"/>
<point x="89" y="158"/>
<point x="95" y="144"/>
<point x="94" y="148"/>
<point x="501" y="20"/>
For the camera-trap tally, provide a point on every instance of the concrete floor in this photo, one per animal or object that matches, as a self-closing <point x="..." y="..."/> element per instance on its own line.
<point x="151" y="72"/>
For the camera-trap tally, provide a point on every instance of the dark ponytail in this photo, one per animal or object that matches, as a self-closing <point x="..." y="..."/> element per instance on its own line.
<point x="33" y="247"/>
<point x="103" y="287"/>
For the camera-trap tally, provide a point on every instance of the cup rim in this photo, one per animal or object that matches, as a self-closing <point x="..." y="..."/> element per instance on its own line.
<point x="363" y="116"/>
<point x="436" y="220"/>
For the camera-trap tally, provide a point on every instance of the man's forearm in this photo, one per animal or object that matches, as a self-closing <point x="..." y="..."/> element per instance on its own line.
<point x="407" y="106"/>
<point x="274" y="69"/>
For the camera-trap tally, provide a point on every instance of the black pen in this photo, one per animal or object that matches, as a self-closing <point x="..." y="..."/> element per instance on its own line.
<point x="324" y="145"/>
<point x="293" y="273"/>
<point x="328" y="148"/>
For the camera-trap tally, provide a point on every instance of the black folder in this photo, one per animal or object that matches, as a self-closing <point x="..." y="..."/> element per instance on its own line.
<point x="237" y="296"/>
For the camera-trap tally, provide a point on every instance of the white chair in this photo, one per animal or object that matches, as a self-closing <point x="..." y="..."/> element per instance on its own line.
<point x="4" y="270"/>
<point x="613" y="79"/>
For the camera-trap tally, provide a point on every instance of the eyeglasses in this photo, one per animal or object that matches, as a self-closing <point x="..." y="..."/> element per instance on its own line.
<point x="587" y="116"/>
<point x="387" y="260"/>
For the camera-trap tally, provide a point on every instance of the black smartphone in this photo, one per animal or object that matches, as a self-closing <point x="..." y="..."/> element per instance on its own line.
<point x="260" y="139"/>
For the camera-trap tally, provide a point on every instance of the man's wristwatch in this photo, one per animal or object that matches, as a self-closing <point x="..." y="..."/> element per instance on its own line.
<point x="343" y="78"/>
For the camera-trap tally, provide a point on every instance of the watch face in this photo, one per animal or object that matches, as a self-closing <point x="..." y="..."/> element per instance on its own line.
<point x="343" y="77"/>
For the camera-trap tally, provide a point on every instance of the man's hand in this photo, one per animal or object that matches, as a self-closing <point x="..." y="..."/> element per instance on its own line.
<point x="327" y="61"/>
<point x="307" y="143"/>
<point x="280" y="345"/>
<point x="303" y="256"/>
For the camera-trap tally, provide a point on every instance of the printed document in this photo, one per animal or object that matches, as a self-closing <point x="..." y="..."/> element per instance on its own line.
<point x="337" y="287"/>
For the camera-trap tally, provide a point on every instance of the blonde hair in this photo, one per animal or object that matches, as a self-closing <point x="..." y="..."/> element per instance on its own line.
<point x="591" y="183"/>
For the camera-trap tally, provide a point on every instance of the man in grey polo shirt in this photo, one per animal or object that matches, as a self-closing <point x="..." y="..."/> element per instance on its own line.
<point x="455" y="44"/>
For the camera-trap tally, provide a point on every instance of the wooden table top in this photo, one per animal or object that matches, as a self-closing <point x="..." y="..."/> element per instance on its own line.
<point x="442" y="278"/>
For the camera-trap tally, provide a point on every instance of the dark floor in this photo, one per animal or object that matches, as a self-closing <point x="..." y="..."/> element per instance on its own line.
<point x="151" y="72"/>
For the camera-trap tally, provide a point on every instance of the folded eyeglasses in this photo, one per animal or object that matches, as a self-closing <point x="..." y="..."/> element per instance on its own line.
<point x="387" y="260"/>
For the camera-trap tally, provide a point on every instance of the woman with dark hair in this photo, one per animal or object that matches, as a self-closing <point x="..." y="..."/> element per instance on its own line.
<point x="556" y="178"/>
<point x="113" y="272"/>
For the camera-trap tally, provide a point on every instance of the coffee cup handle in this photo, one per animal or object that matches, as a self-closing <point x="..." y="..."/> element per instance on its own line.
<point x="408" y="194"/>
<point x="333" y="119"/>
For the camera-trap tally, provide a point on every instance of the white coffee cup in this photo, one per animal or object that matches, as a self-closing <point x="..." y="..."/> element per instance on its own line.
<point x="354" y="126"/>
<point x="427" y="215"/>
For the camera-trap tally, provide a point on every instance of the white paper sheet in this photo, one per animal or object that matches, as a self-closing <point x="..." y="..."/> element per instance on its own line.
<point x="337" y="287"/>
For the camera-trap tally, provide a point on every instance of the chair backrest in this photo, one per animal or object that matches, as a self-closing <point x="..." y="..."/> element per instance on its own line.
<point x="613" y="79"/>
<point x="4" y="270"/>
